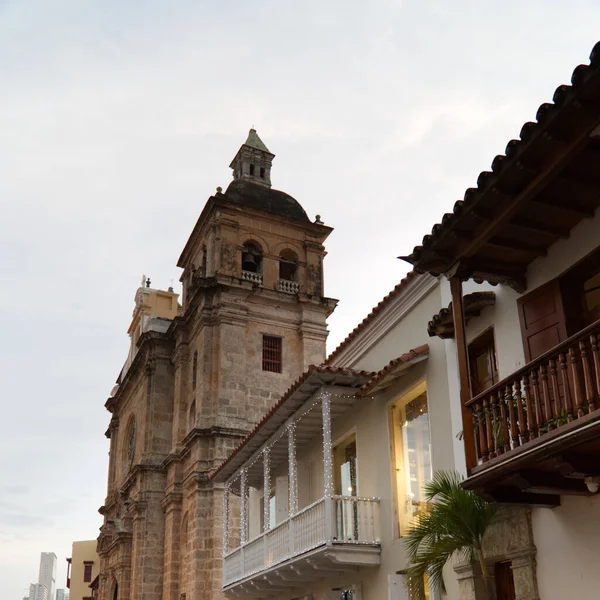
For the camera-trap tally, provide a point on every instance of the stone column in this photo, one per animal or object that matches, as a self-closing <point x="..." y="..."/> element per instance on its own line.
<point x="524" y="574"/>
<point x="172" y="507"/>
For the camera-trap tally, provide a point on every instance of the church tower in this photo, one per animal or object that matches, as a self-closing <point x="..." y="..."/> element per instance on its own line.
<point x="253" y="318"/>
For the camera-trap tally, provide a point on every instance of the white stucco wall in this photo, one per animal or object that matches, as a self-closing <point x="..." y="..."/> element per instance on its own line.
<point x="568" y="543"/>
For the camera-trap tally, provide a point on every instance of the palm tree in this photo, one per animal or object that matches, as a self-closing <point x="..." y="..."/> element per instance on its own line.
<point x="455" y="523"/>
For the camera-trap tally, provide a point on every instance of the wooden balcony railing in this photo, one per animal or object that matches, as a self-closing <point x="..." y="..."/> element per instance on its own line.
<point x="556" y="388"/>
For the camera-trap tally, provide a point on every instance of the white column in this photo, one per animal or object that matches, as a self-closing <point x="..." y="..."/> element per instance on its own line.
<point x="244" y="508"/>
<point x="327" y="466"/>
<point x="293" y="472"/>
<point x="267" y="488"/>
<point x="226" y="520"/>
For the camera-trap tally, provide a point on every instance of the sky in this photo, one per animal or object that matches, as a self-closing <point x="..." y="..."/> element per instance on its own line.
<point x="119" y="119"/>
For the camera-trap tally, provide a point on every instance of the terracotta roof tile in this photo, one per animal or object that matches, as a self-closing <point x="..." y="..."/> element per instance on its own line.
<point x="374" y="312"/>
<point x="418" y="352"/>
<point x="487" y="179"/>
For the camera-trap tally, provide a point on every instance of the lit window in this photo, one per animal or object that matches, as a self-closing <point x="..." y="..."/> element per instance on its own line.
<point x="272" y="354"/>
<point x="411" y="455"/>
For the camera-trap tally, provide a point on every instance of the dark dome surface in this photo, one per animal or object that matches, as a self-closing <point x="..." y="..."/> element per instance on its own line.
<point x="266" y="199"/>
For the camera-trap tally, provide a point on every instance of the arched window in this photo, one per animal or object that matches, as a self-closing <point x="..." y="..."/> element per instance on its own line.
<point x="288" y="265"/>
<point x="192" y="415"/>
<point x="252" y="258"/>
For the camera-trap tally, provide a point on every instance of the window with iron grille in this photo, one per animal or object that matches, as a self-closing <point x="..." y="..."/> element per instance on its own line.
<point x="272" y="354"/>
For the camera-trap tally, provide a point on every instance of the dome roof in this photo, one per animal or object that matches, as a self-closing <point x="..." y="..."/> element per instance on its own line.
<point x="260" y="197"/>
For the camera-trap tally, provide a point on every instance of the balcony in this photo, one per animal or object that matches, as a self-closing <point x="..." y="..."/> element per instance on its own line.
<point x="289" y="287"/>
<point x="536" y="433"/>
<point x="252" y="276"/>
<point x="333" y="533"/>
<point x="292" y="512"/>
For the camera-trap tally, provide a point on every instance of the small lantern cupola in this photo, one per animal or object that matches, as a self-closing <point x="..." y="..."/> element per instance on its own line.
<point x="253" y="161"/>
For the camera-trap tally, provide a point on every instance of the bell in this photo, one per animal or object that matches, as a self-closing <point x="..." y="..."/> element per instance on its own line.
<point x="249" y="263"/>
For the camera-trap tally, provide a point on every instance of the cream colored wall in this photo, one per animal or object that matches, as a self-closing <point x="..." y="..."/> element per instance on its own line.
<point x="82" y="551"/>
<point x="567" y="545"/>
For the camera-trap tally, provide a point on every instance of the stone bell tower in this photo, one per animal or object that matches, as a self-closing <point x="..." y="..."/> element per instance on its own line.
<point x="200" y="376"/>
<point x="254" y="318"/>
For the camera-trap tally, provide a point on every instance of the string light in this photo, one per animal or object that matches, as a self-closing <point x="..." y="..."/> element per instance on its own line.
<point x="244" y="507"/>
<point x="226" y="520"/>
<point x="292" y="468"/>
<point x="327" y="446"/>
<point x="267" y="488"/>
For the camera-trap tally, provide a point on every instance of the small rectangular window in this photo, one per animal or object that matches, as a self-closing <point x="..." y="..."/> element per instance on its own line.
<point x="87" y="573"/>
<point x="272" y="354"/>
<point x="482" y="363"/>
<point x="195" y="370"/>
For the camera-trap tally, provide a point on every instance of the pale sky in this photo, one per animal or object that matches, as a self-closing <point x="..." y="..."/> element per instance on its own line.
<point x="118" y="119"/>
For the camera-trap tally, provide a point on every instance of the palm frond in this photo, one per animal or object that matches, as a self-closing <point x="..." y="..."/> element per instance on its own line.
<point x="456" y="522"/>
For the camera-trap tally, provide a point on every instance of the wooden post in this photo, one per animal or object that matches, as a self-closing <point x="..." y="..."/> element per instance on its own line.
<point x="460" y="334"/>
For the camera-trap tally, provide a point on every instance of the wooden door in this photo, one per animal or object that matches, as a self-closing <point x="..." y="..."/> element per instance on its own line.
<point x="542" y="317"/>
<point x="505" y="585"/>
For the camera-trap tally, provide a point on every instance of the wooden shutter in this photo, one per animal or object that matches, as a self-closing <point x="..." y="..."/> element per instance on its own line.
<point x="542" y="318"/>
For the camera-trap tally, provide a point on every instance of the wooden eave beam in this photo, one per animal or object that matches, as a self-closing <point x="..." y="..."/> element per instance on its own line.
<point x="576" y="466"/>
<point x="540" y="228"/>
<point x="515" y="496"/>
<point x="553" y="166"/>
<point x="540" y="482"/>
<point x="568" y="209"/>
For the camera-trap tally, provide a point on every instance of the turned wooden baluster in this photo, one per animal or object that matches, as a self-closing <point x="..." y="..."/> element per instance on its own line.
<point x="546" y="397"/>
<point x="564" y="377"/>
<point x="482" y="432"/>
<point x="488" y="428"/>
<point x="520" y="412"/>
<point x="539" y="419"/>
<point x="596" y="359"/>
<point x="504" y="422"/>
<point x="587" y="376"/>
<point x="555" y="391"/>
<point x="531" y="420"/>
<point x="514" y="436"/>
<point x="495" y="423"/>
<point x="477" y="426"/>
<point x="577" y="388"/>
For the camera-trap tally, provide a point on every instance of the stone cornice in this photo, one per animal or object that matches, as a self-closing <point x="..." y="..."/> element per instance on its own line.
<point x="133" y="473"/>
<point x="396" y="309"/>
<point x="171" y="501"/>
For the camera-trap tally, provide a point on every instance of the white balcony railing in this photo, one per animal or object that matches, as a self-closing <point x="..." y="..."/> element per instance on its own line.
<point x="353" y="520"/>
<point x="289" y="287"/>
<point x="253" y="277"/>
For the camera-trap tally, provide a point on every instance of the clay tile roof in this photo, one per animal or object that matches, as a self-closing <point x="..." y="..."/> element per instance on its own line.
<point x="564" y="96"/>
<point x="442" y="323"/>
<point x="321" y="372"/>
<point x="374" y="312"/>
<point x="416" y="354"/>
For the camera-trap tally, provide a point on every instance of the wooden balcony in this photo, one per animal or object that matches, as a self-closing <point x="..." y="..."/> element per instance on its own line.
<point x="537" y="432"/>
<point x="331" y="535"/>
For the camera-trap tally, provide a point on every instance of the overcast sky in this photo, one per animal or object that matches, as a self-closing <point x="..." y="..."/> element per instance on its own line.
<point x="119" y="118"/>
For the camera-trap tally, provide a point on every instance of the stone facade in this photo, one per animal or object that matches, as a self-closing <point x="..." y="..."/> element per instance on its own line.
<point x="510" y="538"/>
<point x="194" y="389"/>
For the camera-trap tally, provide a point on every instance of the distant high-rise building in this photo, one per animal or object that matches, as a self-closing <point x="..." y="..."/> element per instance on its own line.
<point x="62" y="594"/>
<point x="47" y="575"/>
<point x="38" y="591"/>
